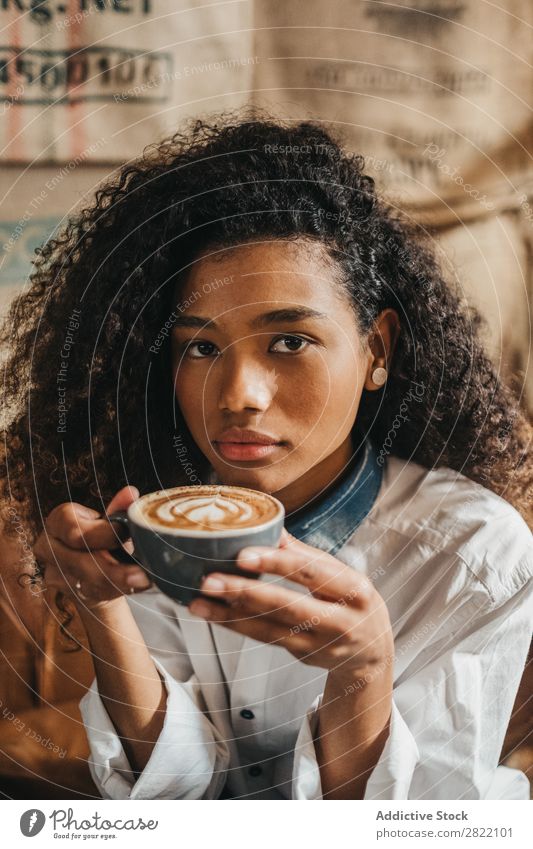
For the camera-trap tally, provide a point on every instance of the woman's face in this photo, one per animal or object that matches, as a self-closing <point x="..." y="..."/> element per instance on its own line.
<point x="281" y="356"/>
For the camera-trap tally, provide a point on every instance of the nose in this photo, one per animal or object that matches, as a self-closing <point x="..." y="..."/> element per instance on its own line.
<point x="245" y="384"/>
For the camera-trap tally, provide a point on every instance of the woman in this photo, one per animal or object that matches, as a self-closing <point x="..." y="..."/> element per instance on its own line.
<point x="242" y="283"/>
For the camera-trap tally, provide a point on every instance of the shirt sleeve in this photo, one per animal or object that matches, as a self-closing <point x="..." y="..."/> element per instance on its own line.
<point x="398" y="758"/>
<point x="189" y="759"/>
<point x="449" y="714"/>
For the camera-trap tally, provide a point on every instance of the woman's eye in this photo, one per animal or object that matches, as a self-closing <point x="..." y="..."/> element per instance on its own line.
<point x="294" y="344"/>
<point x="204" y="349"/>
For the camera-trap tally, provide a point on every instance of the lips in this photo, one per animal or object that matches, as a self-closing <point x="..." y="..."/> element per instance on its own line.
<point x="243" y="444"/>
<point x="239" y="434"/>
<point x="246" y="450"/>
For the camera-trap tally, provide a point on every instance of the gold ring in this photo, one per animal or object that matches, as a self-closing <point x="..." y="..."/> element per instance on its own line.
<point x="77" y="588"/>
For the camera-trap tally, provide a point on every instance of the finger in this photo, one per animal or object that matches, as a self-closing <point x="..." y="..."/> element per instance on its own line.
<point x="93" y="568"/>
<point x="285" y="538"/>
<point x="80" y="528"/>
<point x="52" y="577"/>
<point x="262" y="629"/>
<point x="315" y="569"/>
<point x="122" y="500"/>
<point x="298" y="611"/>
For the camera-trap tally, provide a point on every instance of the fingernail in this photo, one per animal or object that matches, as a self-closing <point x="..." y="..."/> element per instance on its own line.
<point x="199" y="608"/>
<point x="137" y="579"/>
<point x="212" y="584"/>
<point x="86" y="512"/>
<point x="249" y="557"/>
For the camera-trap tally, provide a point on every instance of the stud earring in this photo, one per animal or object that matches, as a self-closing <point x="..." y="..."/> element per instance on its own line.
<point x="379" y="376"/>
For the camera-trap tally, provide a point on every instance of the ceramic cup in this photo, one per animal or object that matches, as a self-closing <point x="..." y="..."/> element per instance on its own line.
<point x="177" y="558"/>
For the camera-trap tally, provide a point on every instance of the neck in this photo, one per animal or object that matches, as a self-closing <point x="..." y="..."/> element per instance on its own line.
<point x="315" y="484"/>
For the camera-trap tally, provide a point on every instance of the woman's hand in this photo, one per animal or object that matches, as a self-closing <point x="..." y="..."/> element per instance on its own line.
<point x="343" y="625"/>
<point x="74" y="549"/>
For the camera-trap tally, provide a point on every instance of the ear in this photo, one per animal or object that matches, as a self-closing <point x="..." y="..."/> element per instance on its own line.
<point x="381" y="343"/>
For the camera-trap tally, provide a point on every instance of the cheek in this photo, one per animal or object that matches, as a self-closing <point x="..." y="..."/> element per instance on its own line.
<point x="325" y="401"/>
<point x="334" y="380"/>
<point x="190" y="395"/>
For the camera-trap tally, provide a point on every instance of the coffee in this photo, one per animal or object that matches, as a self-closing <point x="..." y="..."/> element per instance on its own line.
<point x="209" y="508"/>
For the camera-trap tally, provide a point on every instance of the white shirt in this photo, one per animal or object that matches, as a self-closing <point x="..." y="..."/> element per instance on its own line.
<point x="454" y="563"/>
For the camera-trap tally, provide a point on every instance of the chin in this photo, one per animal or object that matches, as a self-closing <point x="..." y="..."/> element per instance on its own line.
<point x="260" y="479"/>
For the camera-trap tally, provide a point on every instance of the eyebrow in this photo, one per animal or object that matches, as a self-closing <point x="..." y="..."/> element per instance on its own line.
<point x="275" y="316"/>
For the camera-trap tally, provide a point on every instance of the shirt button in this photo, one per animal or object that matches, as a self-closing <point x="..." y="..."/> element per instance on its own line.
<point x="254" y="771"/>
<point x="247" y="714"/>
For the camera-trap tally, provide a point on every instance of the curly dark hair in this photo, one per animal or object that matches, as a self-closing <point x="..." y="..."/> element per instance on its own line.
<point x="87" y="386"/>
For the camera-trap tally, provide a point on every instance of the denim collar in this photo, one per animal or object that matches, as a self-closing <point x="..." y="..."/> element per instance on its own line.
<point x="331" y="522"/>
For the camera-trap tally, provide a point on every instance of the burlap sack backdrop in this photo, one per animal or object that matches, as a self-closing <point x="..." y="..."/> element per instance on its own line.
<point x="437" y="97"/>
<point x="102" y="79"/>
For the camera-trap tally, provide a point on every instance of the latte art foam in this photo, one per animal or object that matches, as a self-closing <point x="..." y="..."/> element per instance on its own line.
<point x="210" y="508"/>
